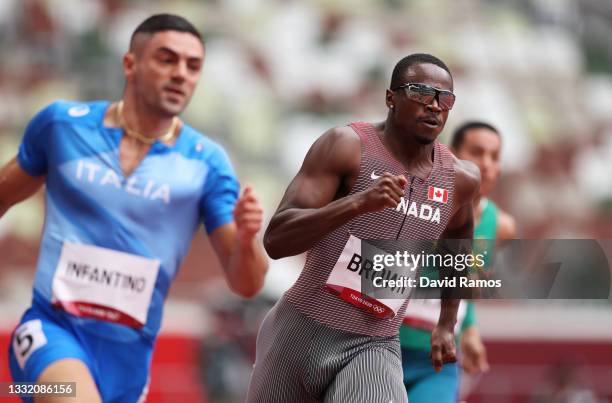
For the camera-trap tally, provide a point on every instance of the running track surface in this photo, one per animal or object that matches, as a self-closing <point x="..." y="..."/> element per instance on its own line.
<point x="518" y="367"/>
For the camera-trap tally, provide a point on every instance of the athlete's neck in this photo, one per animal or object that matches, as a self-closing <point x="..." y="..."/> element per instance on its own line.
<point x="143" y="119"/>
<point x="416" y="157"/>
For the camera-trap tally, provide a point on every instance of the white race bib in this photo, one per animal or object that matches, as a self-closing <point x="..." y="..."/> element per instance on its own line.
<point x="345" y="281"/>
<point x="104" y="284"/>
<point x="424" y="313"/>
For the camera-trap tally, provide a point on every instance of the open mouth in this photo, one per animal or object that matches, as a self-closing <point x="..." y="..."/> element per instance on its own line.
<point x="431" y="122"/>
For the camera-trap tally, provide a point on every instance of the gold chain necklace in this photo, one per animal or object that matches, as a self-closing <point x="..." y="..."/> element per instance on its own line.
<point x="141" y="137"/>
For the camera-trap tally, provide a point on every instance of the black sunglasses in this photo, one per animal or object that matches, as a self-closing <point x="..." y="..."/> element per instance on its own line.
<point x="425" y="94"/>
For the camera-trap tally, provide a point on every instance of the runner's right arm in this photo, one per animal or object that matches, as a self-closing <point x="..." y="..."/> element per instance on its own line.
<point x="16" y="185"/>
<point x="506" y="226"/>
<point x="22" y="176"/>
<point x="315" y="203"/>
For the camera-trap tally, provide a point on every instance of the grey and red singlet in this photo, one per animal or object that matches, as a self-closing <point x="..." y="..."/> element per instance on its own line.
<point x="314" y="346"/>
<point x="423" y="213"/>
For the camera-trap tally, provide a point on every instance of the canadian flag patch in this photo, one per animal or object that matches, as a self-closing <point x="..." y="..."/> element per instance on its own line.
<point x="437" y="194"/>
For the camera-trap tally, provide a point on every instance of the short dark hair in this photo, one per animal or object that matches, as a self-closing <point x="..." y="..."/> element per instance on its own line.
<point x="461" y="131"/>
<point x="165" y="22"/>
<point x="410" y="60"/>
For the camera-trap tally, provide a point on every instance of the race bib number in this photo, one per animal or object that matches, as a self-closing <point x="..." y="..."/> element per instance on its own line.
<point x="104" y="284"/>
<point x="28" y="338"/>
<point x="424" y="314"/>
<point x="353" y="280"/>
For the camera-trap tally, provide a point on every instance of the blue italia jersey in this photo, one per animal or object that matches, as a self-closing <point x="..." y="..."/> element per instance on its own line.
<point x="123" y="236"/>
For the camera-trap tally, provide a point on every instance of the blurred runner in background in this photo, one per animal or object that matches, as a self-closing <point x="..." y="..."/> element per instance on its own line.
<point x="480" y="143"/>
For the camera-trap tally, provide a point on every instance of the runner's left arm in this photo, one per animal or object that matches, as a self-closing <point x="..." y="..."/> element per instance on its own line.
<point x="461" y="226"/>
<point x="232" y="222"/>
<point x="240" y="253"/>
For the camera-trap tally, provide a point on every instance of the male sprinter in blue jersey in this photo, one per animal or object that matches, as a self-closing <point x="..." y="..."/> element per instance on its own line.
<point x="127" y="185"/>
<point x="479" y="143"/>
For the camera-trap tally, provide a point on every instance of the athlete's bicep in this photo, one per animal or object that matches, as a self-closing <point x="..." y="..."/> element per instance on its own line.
<point x="332" y="158"/>
<point x="16" y="185"/>
<point x="310" y="190"/>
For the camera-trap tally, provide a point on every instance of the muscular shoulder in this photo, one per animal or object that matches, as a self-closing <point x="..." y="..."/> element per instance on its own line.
<point x="506" y="225"/>
<point x="338" y="149"/>
<point x="341" y="140"/>
<point x="467" y="181"/>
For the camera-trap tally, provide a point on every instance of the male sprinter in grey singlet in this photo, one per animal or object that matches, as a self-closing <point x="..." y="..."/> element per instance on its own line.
<point x="387" y="180"/>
